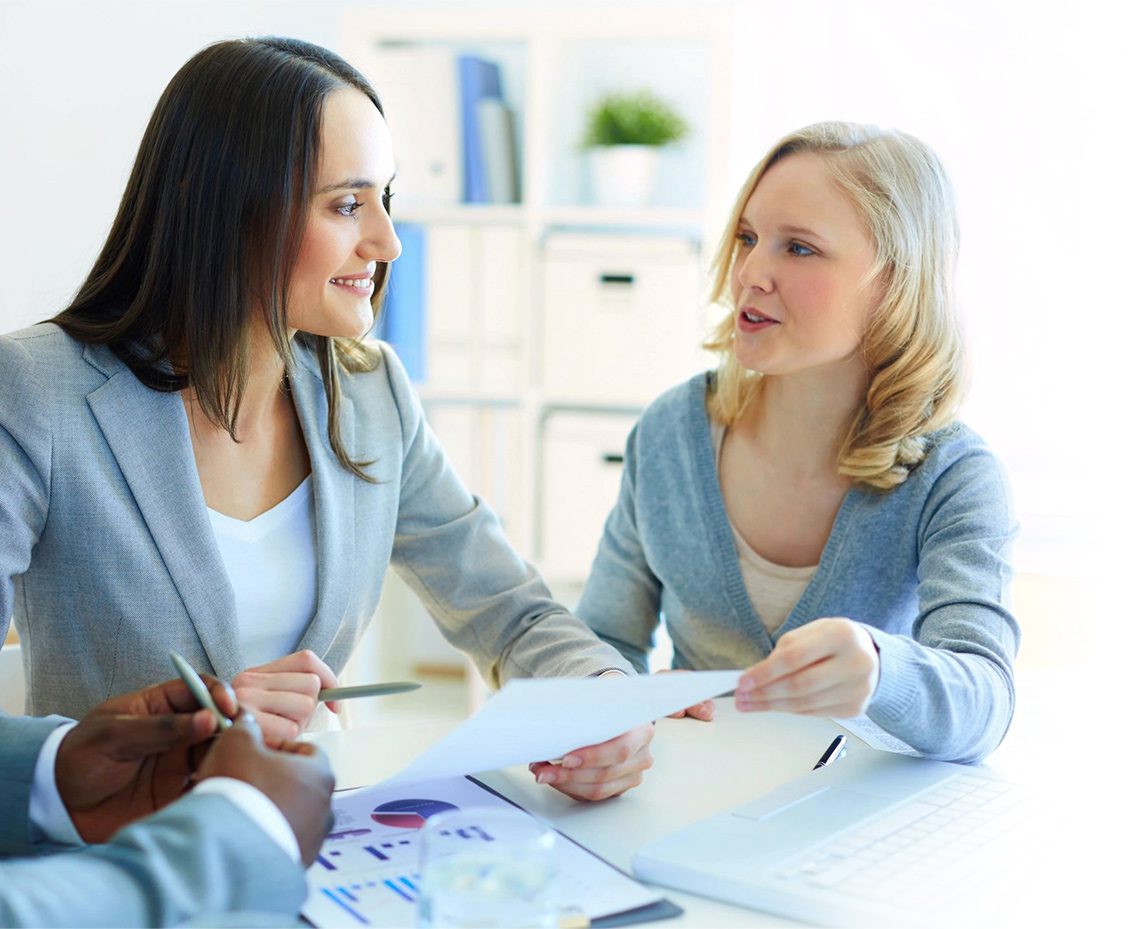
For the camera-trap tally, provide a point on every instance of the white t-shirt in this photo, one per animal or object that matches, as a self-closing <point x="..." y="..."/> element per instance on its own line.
<point x="272" y="564"/>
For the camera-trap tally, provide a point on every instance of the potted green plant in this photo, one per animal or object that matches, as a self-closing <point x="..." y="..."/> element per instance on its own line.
<point x="624" y="134"/>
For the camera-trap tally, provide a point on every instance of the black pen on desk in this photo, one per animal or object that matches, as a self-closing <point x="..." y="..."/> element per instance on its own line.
<point x="832" y="752"/>
<point x="199" y="690"/>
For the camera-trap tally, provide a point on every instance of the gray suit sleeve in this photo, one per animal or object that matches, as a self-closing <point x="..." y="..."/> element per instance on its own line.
<point x="21" y="738"/>
<point x="450" y="549"/>
<point x="199" y="856"/>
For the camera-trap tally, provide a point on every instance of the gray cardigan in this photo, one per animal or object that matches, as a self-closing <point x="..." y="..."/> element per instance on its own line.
<point x="108" y="560"/>
<point x="925" y="566"/>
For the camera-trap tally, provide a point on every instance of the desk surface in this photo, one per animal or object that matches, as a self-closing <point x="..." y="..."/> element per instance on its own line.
<point x="700" y="769"/>
<point x="705" y="768"/>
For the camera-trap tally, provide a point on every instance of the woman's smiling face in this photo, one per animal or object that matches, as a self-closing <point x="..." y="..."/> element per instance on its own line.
<point x="348" y="228"/>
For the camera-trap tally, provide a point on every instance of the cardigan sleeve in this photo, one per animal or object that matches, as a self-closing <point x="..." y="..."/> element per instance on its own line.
<point x="947" y="690"/>
<point x="450" y="549"/>
<point x="621" y="599"/>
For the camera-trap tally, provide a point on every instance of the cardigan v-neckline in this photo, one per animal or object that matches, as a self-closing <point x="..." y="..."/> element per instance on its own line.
<point x="718" y="521"/>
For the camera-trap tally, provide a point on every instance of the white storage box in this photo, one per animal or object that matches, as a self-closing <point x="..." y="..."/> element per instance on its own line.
<point x="622" y="317"/>
<point x="581" y="464"/>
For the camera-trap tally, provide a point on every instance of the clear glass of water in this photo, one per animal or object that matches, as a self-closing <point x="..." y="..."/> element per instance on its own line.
<point x="488" y="867"/>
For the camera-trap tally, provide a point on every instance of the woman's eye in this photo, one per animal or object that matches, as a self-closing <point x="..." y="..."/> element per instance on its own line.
<point x="800" y="249"/>
<point x="348" y="209"/>
<point x="386" y="198"/>
<point x="746" y="239"/>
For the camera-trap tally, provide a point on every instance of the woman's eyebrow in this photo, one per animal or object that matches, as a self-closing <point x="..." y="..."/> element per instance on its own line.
<point x="351" y="183"/>
<point x="800" y="230"/>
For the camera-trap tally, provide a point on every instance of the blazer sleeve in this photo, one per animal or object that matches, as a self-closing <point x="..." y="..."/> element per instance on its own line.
<point x="621" y="599"/>
<point x="25" y="468"/>
<point x="450" y="549"/>
<point x="21" y="739"/>
<point x="948" y="690"/>
<point x="198" y="856"/>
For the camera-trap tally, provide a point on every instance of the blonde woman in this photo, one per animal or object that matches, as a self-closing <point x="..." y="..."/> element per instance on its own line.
<point x="812" y="509"/>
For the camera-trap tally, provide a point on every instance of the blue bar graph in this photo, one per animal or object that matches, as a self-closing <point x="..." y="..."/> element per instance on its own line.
<point x="345" y="906"/>
<point x="471" y="832"/>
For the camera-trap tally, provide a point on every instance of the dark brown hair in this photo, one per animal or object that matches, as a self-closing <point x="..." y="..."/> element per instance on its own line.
<point x="210" y="225"/>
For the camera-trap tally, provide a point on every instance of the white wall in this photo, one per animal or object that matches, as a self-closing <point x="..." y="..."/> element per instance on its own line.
<point x="1016" y="96"/>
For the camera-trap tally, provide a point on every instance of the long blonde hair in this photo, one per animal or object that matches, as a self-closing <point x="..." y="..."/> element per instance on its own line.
<point x="912" y="344"/>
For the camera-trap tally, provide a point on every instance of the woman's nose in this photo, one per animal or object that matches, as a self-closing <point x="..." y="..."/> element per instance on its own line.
<point x="753" y="272"/>
<point x="381" y="242"/>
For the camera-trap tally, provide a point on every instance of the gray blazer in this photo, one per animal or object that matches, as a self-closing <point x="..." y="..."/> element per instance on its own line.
<point x="199" y="856"/>
<point x="107" y="557"/>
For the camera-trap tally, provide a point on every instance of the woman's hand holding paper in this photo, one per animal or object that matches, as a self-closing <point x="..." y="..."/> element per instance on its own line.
<point x="597" y="772"/>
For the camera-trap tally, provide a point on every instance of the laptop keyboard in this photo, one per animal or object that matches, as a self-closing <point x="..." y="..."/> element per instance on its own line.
<point x="926" y="851"/>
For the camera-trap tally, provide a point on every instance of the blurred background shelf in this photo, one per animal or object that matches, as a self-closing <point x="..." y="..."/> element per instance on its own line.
<point x="549" y="323"/>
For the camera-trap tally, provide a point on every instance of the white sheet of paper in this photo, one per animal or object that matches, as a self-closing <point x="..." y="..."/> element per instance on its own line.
<point x="539" y="719"/>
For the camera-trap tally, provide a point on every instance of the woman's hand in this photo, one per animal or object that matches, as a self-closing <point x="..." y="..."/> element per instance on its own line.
<point x="283" y="693"/>
<point x="703" y="710"/>
<point x="598" y="772"/>
<point x="828" y="667"/>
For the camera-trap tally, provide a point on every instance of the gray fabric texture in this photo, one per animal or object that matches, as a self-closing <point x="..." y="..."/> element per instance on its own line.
<point x="20" y="741"/>
<point x="198" y="856"/>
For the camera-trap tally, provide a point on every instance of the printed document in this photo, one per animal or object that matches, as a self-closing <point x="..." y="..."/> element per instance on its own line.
<point x="542" y="719"/>
<point x="367" y="873"/>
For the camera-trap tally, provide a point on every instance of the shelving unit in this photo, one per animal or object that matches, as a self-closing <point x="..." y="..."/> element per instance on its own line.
<point x="619" y="292"/>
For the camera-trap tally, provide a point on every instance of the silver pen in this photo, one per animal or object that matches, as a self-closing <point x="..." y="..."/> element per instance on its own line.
<point x="367" y="690"/>
<point x="199" y="690"/>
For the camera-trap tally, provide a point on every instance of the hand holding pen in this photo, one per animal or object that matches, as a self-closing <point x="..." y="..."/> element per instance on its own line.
<point x="274" y="730"/>
<point x="134" y="753"/>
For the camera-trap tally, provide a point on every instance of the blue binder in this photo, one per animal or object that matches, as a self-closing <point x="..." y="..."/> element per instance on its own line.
<point x="403" y="319"/>
<point x="478" y="79"/>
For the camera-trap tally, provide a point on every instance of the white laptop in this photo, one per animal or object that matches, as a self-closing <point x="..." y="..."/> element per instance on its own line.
<point x="873" y="839"/>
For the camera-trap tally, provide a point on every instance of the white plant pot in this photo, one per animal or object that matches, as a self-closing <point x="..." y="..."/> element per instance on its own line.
<point x="624" y="175"/>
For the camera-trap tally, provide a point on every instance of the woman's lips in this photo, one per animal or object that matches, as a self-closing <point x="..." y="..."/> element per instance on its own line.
<point x="751" y="320"/>
<point x="358" y="285"/>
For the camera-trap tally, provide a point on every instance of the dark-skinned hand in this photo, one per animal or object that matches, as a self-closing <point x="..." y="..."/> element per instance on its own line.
<point x="133" y="754"/>
<point x="295" y="776"/>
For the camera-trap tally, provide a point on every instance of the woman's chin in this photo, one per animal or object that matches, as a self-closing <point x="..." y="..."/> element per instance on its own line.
<point x="352" y="328"/>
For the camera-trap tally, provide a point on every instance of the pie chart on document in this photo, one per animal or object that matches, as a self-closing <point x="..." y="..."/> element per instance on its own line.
<point x="409" y="814"/>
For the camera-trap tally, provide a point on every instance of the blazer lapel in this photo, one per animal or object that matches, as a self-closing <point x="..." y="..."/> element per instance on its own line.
<point x="148" y="433"/>
<point x="333" y="503"/>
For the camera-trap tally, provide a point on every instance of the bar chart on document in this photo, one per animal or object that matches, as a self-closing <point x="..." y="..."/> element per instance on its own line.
<point x="367" y="871"/>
